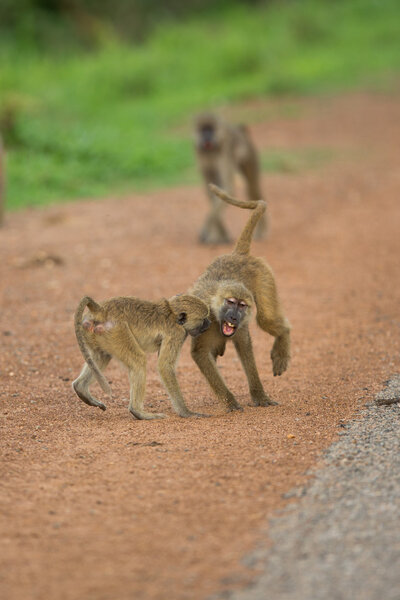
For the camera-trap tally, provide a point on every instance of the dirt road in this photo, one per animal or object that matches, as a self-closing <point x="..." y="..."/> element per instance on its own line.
<point x="99" y="506"/>
<point x="340" y="539"/>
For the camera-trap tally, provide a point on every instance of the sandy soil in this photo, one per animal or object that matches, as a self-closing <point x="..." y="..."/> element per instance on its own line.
<point x="99" y="506"/>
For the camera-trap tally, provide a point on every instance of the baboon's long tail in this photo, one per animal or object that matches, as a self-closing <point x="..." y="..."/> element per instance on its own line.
<point x="87" y="301"/>
<point x="258" y="206"/>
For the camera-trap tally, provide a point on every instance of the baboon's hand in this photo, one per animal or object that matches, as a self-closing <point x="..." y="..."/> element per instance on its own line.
<point x="146" y="416"/>
<point x="190" y="413"/>
<point x="232" y="407"/>
<point x="263" y="400"/>
<point x="230" y="402"/>
<point x="279" y="364"/>
<point x="280" y="357"/>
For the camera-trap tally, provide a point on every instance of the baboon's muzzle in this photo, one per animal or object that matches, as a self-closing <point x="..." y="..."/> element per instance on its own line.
<point x="201" y="328"/>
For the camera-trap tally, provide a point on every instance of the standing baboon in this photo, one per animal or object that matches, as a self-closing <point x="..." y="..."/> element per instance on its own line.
<point x="128" y="328"/>
<point x="2" y="186"/>
<point x="222" y="150"/>
<point x="231" y="285"/>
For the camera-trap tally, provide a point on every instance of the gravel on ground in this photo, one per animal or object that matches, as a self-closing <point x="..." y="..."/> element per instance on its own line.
<point x="341" y="540"/>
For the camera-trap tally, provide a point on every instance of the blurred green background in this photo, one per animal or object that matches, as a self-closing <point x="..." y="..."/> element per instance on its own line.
<point x="97" y="96"/>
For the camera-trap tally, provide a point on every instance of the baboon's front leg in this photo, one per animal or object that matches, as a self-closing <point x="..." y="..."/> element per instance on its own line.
<point x="82" y="384"/>
<point x="280" y="353"/>
<point x="166" y="367"/>
<point x="244" y="348"/>
<point x="131" y="354"/>
<point x="137" y="382"/>
<point x="270" y="319"/>
<point x="203" y="355"/>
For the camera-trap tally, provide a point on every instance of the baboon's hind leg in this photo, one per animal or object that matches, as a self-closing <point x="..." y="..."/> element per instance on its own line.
<point x="251" y="173"/>
<point x="214" y="230"/>
<point x="82" y="384"/>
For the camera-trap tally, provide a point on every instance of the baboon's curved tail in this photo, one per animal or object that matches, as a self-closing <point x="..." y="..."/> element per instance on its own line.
<point x="258" y="206"/>
<point x="87" y="301"/>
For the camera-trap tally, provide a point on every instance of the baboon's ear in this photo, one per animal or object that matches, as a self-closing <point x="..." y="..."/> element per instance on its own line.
<point x="182" y="318"/>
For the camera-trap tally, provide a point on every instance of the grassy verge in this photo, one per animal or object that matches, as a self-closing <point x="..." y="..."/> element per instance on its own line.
<point x="119" y="118"/>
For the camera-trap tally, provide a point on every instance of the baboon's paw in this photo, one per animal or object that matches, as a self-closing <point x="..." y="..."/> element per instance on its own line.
<point x="197" y="415"/>
<point x="232" y="407"/>
<point x="279" y="367"/>
<point x="214" y="239"/>
<point x="96" y="403"/>
<point x="263" y="400"/>
<point x="279" y="362"/>
<point x="189" y="413"/>
<point x="87" y="399"/>
<point x="155" y="416"/>
<point x="146" y="416"/>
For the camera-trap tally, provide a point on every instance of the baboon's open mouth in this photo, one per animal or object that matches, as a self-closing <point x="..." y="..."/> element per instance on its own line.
<point x="228" y="329"/>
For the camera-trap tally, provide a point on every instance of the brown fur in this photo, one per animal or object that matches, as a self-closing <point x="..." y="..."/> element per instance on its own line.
<point x="128" y="328"/>
<point x="246" y="277"/>
<point x="2" y="202"/>
<point x="223" y="150"/>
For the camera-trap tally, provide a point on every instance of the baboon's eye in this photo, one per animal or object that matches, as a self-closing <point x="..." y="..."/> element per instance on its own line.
<point x="230" y="301"/>
<point x="242" y="305"/>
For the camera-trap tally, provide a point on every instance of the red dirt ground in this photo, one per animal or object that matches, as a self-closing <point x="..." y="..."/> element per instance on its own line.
<point x="99" y="506"/>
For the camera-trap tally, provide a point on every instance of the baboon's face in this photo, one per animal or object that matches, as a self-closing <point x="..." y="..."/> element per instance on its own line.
<point x="208" y="137"/>
<point x="201" y="328"/>
<point x="193" y="315"/>
<point x="234" y="312"/>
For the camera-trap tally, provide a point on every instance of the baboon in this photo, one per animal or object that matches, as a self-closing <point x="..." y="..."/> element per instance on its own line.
<point x="222" y="150"/>
<point x="128" y="328"/>
<point x="231" y="286"/>
<point x="1" y="183"/>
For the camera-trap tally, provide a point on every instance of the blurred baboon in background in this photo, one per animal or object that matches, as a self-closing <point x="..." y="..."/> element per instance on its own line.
<point x="222" y="150"/>
<point x="1" y="182"/>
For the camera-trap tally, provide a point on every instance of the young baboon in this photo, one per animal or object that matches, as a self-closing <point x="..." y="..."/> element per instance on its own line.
<point x="128" y="328"/>
<point x="231" y="286"/>
<point x="222" y="150"/>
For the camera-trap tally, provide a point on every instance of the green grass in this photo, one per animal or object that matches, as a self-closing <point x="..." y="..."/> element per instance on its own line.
<point x="90" y="124"/>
